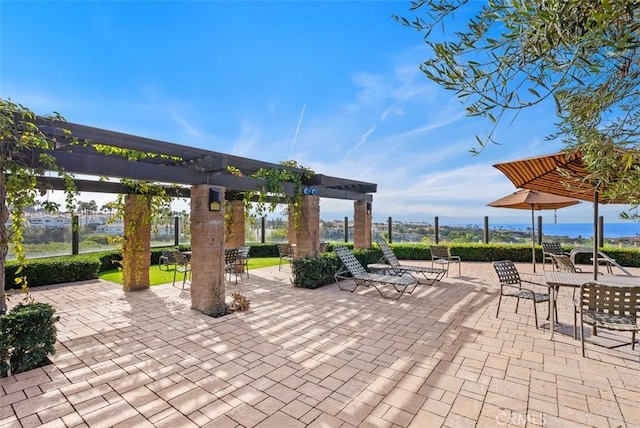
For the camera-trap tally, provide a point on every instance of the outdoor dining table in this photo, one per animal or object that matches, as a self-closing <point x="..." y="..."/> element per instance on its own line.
<point x="557" y="279"/>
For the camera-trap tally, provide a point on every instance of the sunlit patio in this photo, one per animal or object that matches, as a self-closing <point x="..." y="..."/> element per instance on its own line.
<point x="320" y="358"/>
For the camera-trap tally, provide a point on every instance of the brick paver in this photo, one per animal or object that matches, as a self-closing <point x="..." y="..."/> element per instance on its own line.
<point x="319" y="358"/>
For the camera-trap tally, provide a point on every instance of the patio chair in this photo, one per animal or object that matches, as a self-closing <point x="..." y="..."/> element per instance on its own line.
<point x="242" y="262"/>
<point x="441" y="255"/>
<point x="511" y="285"/>
<point x="609" y="307"/>
<point x="286" y="254"/>
<point x="550" y="249"/>
<point x="230" y="262"/>
<point x="563" y="263"/>
<point x="166" y="259"/>
<point x="182" y="266"/>
<point x="430" y="274"/>
<point x="352" y="269"/>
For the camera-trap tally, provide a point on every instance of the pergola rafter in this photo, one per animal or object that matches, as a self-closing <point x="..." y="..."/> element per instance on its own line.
<point x="172" y="163"/>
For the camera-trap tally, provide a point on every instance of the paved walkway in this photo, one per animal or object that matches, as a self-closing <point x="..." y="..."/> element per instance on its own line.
<point x="318" y="358"/>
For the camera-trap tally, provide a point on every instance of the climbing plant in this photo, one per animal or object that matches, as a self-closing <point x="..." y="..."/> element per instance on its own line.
<point x="149" y="206"/>
<point x="23" y="145"/>
<point x="25" y="155"/>
<point x="273" y="192"/>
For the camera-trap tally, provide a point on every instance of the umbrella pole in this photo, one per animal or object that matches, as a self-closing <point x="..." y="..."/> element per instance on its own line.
<point x="533" y="240"/>
<point x="595" y="234"/>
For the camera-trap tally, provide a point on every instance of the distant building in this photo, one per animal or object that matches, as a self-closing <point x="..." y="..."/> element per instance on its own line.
<point x="49" y="222"/>
<point x="111" y="229"/>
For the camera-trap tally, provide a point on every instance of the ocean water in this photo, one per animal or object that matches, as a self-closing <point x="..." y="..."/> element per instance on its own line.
<point x="575" y="230"/>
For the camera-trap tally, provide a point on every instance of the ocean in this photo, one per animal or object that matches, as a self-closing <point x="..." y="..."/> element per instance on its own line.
<point x="575" y="230"/>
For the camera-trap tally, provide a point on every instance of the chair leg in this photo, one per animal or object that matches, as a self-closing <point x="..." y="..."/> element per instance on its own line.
<point x="582" y="333"/>
<point x="633" y="340"/>
<point x="535" y="312"/>
<point x="184" y="279"/>
<point x="498" y="310"/>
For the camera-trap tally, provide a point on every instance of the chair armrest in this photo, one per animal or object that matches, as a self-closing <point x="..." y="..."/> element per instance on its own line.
<point x="536" y="283"/>
<point x="529" y="290"/>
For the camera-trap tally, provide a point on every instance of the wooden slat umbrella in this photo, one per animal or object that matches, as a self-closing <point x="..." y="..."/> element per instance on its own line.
<point x="533" y="200"/>
<point x="561" y="174"/>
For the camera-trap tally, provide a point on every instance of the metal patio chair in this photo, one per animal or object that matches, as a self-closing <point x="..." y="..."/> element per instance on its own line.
<point x="441" y="255"/>
<point x="230" y="262"/>
<point x="511" y="285"/>
<point x="286" y="254"/>
<point x="242" y="262"/>
<point x="183" y="265"/>
<point x="550" y="249"/>
<point x="609" y="307"/>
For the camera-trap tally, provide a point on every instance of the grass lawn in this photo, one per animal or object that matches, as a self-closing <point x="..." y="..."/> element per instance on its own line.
<point x="157" y="276"/>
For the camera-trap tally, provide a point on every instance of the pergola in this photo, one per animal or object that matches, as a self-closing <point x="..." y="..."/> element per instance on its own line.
<point x="199" y="171"/>
<point x="172" y="163"/>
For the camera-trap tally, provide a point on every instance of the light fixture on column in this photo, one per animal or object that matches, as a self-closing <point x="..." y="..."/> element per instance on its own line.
<point x="215" y="200"/>
<point x="368" y="208"/>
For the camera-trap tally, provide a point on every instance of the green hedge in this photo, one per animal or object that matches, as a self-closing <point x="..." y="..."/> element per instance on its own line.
<point x="514" y="252"/>
<point x="316" y="272"/>
<point x="309" y="273"/>
<point x="27" y="337"/>
<point x="53" y="270"/>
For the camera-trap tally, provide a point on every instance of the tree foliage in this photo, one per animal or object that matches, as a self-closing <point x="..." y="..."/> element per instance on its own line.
<point x="515" y="54"/>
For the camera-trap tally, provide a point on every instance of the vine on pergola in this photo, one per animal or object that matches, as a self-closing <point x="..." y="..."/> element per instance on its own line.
<point x="25" y="155"/>
<point x="273" y="192"/>
<point x="23" y="145"/>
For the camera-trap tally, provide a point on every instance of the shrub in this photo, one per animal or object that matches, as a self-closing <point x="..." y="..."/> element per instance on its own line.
<point x="53" y="270"/>
<point x="27" y="337"/>
<point x="314" y="272"/>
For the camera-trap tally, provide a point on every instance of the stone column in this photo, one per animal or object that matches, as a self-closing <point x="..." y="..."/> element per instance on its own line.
<point x="207" y="251"/>
<point x="234" y="229"/>
<point x="291" y="226"/>
<point x="307" y="235"/>
<point x="136" y="249"/>
<point x="362" y="224"/>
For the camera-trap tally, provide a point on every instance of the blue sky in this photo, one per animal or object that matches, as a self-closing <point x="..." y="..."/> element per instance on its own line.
<point x="334" y="85"/>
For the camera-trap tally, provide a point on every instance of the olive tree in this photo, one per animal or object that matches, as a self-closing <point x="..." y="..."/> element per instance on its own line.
<point x="22" y="145"/>
<point x="582" y="56"/>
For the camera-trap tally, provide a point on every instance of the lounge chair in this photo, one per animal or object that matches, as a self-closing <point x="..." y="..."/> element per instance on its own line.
<point x="430" y="274"/>
<point x="352" y="269"/>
